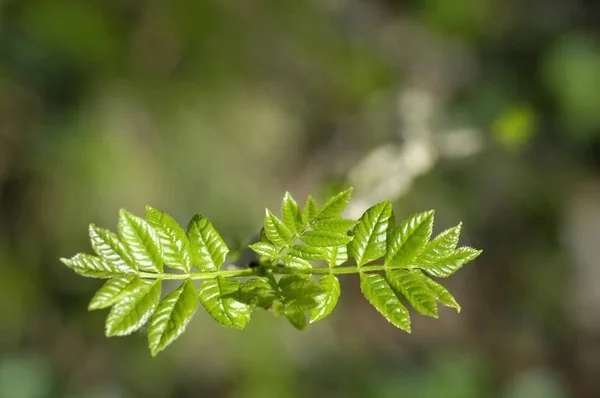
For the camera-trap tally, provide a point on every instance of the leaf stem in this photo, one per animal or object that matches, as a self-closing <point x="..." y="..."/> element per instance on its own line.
<point x="276" y="270"/>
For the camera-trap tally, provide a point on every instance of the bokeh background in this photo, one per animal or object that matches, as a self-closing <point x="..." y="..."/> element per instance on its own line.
<point x="486" y="110"/>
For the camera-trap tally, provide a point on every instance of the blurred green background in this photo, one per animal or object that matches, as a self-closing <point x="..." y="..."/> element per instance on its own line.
<point x="486" y="110"/>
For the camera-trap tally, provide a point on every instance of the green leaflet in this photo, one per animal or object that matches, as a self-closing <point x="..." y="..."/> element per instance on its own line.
<point x="446" y="266"/>
<point x="440" y="247"/>
<point x="410" y="284"/>
<point x="107" y="245"/>
<point x="172" y="316"/>
<point x="336" y="255"/>
<point x="324" y="238"/>
<point x="265" y="249"/>
<point x="90" y="266"/>
<point x="276" y="230"/>
<point x="327" y="301"/>
<point x="257" y="292"/>
<point x="111" y="292"/>
<point x="378" y="292"/>
<point x="311" y="210"/>
<point x="291" y="214"/>
<point x="134" y="309"/>
<point x="208" y="248"/>
<point x="263" y="237"/>
<point x="297" y="318"/>
<point x="217" y="297"/>
<point x="370" y="234"/>
<point x="335" y="205"/>
<point x="407" y="241"/>
<point x="175" y="246"/>
<point x="442" y="295"/>
<point x="391" y="226"/>
<point x="336" y="225"/>
<point x="295" y="262"/>
<point x="141" y="241"/>
<point x="299" y="293"/>
<point x="308" y="252"/>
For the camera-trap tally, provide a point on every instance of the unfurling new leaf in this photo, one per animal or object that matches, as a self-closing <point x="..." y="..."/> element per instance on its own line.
<point x="395" y="264"/>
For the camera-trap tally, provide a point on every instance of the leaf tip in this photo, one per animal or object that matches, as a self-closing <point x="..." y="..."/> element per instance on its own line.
<point x="475" y="252"/>
<point x="348" y="191"/>
<point x="124" y="213"/>
<point x="109" y="332"/>
<point x="154" y="351"/>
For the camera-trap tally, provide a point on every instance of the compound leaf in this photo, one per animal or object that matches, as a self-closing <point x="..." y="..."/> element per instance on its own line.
<point x="175" y="246"/>
<point x="448" y="265"/>
<point x="276" y="230"/>
<point x="90" y="266"/>
<point x="172" y="316"/>
<point x="407" y="241"/>
<point x="369" y="240"/>
<point x="265" y="249"/>
<point x="442" y="295"/>
<point x="108" y="246"/>
<point x="141" y="241"/>
<point x="324" y="238"/>
<point x="411" y="285"/>
<point x="110" y="292"/>
<point x="208" y="248"/>
<point x="327" y="301"/>
<point x="291" y="214"/>
<point x="139" y="301"/>
<point x="381" y="296"/>
<point x="218" y="298"/>
<point x="335" y="205"/>
<point x="286" y="247"/>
